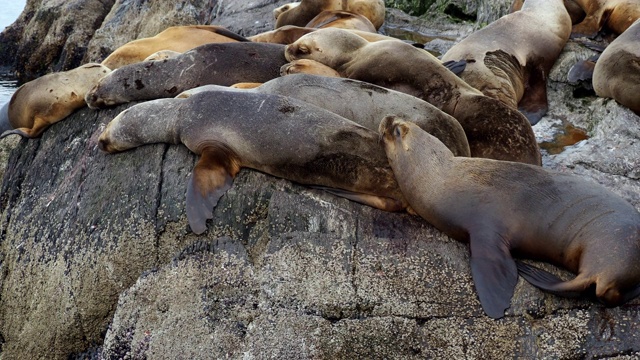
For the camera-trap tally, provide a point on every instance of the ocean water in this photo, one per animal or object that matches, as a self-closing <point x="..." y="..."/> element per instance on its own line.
<point x="10" y="10"/>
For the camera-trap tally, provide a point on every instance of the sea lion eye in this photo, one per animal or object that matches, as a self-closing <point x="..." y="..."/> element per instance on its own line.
<point x="303" y="49"/>
<point x="397" y="132"/>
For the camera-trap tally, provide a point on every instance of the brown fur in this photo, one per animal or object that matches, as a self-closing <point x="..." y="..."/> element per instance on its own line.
<point x="374" y="10"/>
<point x="616" y="15"/>
<point x="342" y="20"/>
<point x="306" y="66"/>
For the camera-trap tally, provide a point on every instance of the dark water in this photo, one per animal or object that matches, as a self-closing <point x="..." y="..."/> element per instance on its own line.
<point x="9" y="12"/>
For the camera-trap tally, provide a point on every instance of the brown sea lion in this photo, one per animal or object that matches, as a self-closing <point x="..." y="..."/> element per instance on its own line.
<point x="288" y="34"/>
<point x="374" y="10"/>
<point x="280" y="9"/>
<point x="617" y="71"/>
<point x="341" y="19"/>
<point x="306" y="66"/>
<point x="175" y="38"/>
<point x="575" y="11"/>
<point x="221" y="64"/>
<point x="510" y="59"/>
<point x="48" y="99"/>
<point x="494" y="130"/>
<point x="362" y="103"/>
<point x="503" y="207"/>
<point x="616" y="15"/>
<point x="281" y="136"/>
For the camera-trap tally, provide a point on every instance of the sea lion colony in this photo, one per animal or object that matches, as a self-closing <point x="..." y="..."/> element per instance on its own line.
<point x="365" y="140"/>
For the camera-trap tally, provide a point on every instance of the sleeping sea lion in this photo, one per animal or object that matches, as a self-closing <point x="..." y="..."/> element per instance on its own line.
<point x="503" y="207"/>
<point x="175" y="38"/>
<point x="617" y="71"/>
<point x="288" y="34"/>
<point x="494" y="130"/>
<point x="510" y="59"/>
<point x="280" y="9"/>
<point x="374" y="10"/>
<point x="306" y="66"/>
<point x="281" y="136"/>
<point x="616" y="15"/>
<point x="221" y="64"/>
<point x="362" y="103"/>
<point x="48" y="99"/>
<point x="341" y="19"/>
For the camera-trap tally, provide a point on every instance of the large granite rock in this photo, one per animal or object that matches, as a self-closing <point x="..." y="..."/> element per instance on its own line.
<point x="97" y="260"/>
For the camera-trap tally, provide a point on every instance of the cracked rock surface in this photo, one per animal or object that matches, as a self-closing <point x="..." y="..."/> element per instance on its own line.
<point x="97" y="260"/>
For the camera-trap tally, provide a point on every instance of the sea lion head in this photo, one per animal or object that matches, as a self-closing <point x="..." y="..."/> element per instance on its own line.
<point x="284" y="8"/>
<point x="332" y="47"/>
<point x="104" y="93"/>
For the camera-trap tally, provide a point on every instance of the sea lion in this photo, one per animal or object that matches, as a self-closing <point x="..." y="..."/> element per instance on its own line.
<point x="575" y="11"/>
<point x="221" y="64"/>
<point x="503" y="207"/>
<point x="161" y="55"/>
<point x="510" y="59"/>
<point x="175" y="38"/>
<point x="288" y="34"/>
<point x="280" y="9"/>
<point x="494" y="130"/>
<point x="48" y="99"/>
<point x="374" y="10"/>
<point x="362" y="103"/>
<point x="281" y="136"/>
<point x="341" y="19"/>
<point x="617" y="71"/>
<point x="306" y="66"/>
<point x="616" y="15"/>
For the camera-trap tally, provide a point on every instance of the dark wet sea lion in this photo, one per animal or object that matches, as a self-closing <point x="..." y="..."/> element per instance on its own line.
<point x="510" y="59"/>
<point x="48" y="99"/>
<point x="281" y="136"/>
<point x="617" y="71"/>
<point x="362" y="103"/>
<point x="494" y="130"/>
<point x="220" y="64"/>
<point x="175" y="38"/>
<point x="504" y="207"/>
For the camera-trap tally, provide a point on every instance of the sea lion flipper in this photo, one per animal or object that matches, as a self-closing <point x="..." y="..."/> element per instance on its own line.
<point x="582" y="71"/>
<point x="546" y="281"/>
<point x="456" y="67"/>
<point x="230" y="34"/>
<point x="494" y="275"/>
<point x="211" y="177"/>
<point x="15" y="132"/>
<point x="534" y="104"/>
<point x="378" y="202"/>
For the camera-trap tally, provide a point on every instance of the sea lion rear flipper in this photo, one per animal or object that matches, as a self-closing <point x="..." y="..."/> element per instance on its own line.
<point x="456" y="67"/>
<point x="630" y="295"/>
<point x="548" y="282"/>
<point x="378" y="202"/>
<point x="534" y="104"/>
<point x="494" y="274"/>
<point x="211" y="178"/>
<point x="15" y="132"/>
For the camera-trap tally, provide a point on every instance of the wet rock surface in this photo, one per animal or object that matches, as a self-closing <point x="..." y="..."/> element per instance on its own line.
<point x="97" y="260"/>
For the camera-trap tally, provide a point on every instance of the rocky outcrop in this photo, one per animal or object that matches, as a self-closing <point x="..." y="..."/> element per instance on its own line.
<point x="97" y="260"/>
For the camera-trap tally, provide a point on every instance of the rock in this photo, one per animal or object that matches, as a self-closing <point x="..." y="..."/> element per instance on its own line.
<point x="97" y="260"/>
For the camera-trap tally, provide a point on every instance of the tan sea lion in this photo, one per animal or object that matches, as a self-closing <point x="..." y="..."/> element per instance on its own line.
<point x="48" y="99"/>
<point x="503" y="207"/>
<point x="494" y="130"/>
<point x="280" y="9"/>
<point x="162" y="55"/>
<point x="575" y="11"/>
<point x="281" y="136"/>
<point x="288" y="34"/>
<point x="306" y="66"/>
<point x="616" y="15"/>
<point x="341" y="19"/>
<point x="374" y="10"/>
<point x="362" y="103"/>
<point x="617" y="72"/>
<point x="510" y="59"/>
<point x="175" y="38"/>
<point x="221" y="64"/>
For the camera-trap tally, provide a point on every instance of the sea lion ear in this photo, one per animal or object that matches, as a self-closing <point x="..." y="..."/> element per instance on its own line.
<point x="494" y="272"/>
<point x="211" y="177"/>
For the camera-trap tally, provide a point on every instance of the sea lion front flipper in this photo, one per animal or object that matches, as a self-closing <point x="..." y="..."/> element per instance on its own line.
<point x="456" y="67"/>
<point x="378" y="202"/>
<point x="583" y="71"/>
<point x="548" y="282"/>
<point x="230" y="34"/>
<point x="534" y="104"/>
<point x="211" y="177"/>
<point x="494" y="273"/>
